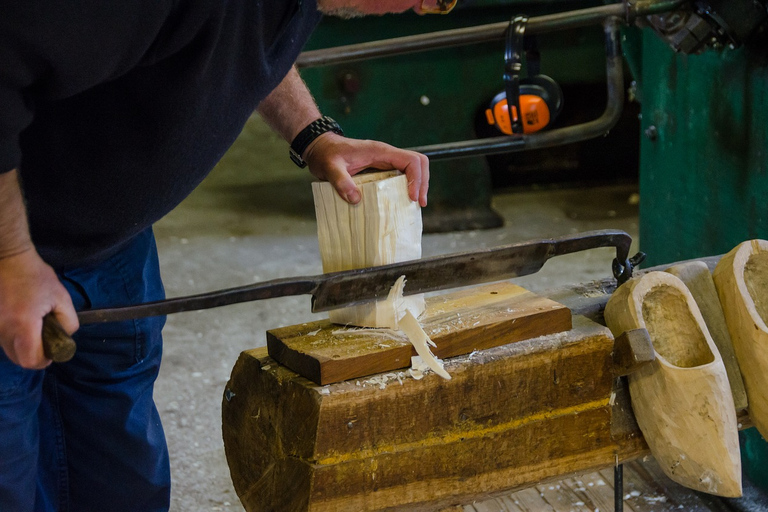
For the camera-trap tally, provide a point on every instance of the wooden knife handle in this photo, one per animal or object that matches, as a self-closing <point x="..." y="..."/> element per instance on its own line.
<point x="58" y="346"/>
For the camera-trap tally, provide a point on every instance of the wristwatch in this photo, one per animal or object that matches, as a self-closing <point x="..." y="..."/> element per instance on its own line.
<point x="310" y="133"/>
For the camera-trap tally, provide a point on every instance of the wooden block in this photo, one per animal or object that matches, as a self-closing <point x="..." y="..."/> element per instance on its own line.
<point x="458" y="323"/>
<point x="633" y="349"/>
<point x="511" y="416"/>
<point x="384" y="227"/>
<point x="698" y="279"/>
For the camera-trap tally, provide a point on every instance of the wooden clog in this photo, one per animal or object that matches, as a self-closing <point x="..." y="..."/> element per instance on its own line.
<point x="698" y="279"/>
<point x="682" y="400"/>
<point x="741" y="278"/>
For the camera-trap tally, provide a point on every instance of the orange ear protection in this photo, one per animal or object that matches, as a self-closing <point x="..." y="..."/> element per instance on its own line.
<point x="538" y="99"/>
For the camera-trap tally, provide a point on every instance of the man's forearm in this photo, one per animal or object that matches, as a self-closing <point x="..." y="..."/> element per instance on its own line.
<point x="290" y="107"/>
<point x="29" y="288"/>
<point x="14" y="231"/>
<point x="332" y="157"/>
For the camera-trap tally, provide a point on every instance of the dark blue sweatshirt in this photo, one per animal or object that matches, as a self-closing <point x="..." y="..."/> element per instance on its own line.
<point x="113" y="112"/>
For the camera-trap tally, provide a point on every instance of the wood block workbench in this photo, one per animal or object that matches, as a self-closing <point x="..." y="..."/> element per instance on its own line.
<point x="512" y="416"/>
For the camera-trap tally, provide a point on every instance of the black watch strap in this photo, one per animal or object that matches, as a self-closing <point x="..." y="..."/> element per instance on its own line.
<point x="310" y="133"/>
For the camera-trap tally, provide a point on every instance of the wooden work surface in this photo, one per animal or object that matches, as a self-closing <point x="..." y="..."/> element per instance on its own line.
<point x="511" y="416"/>
<point x="522" y="427"/>
<point x="458" y="323"/>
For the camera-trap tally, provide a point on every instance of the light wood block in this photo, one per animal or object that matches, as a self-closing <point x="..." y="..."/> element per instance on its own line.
<point x="698" y="279"/>
<point x="682" y="400"/>
<point x="384" y="227"/>
<point x="459" y="323"/>
<point x="741" y="278"/>
<point x="511" y="416"/>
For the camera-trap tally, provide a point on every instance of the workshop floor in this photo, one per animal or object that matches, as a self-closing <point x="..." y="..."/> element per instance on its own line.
<point x="253" y="220"/>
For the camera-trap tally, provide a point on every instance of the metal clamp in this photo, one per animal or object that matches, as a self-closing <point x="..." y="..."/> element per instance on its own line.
<point x="622" y="270"/>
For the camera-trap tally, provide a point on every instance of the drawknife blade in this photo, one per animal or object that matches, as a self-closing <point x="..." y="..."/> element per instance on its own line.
<point x="351" y="287"/>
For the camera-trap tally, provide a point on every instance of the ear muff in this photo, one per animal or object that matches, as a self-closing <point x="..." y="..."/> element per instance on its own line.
<point x="538" y="97"/>
<point x="541" y="100"/>
<point x="548" y="90"/>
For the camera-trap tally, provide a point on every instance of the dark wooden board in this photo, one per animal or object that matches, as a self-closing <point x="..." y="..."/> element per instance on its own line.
<point x="459" y="323"/>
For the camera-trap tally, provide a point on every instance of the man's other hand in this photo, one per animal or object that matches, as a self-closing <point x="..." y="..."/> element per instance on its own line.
<point x="336" y="159"/>
<point x="29" y="289"/>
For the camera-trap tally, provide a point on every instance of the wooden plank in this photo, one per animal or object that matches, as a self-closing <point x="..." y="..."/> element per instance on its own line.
<point x="495" y="505"/>
<point x="648" y="489"/>
<point x="553" y="494"/>
<point x="583" y="496"/>
<point x="511" y="416"/>
<point x="458" y="323"/>
<point x="529" y="500"/>
<point x="599" y="491"/>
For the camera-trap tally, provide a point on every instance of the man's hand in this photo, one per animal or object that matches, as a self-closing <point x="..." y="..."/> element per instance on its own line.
<point x="336" y="159"/>
<point x="29" y="289"/>
<point x="290" y="108"/>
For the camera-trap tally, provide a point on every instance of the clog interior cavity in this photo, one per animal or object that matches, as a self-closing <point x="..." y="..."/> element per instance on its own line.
<point x="756" y="279"/>
<point x="675" y="334"/>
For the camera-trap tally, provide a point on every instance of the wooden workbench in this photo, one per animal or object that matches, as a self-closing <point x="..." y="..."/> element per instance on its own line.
<point x="512" y="417"/>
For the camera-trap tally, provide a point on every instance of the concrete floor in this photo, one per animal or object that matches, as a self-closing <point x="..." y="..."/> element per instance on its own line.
<point x="253" y="220"/>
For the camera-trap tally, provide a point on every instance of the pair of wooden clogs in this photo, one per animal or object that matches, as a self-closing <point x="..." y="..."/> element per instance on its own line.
<point x="708" y="332"/>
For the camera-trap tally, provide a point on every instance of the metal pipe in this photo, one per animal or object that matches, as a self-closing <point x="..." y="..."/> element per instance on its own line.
<point x="560" y="136"/>
<point x="625" y="11"/>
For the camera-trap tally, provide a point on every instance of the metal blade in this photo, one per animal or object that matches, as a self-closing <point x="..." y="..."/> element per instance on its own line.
<point x="351" y="287"/>
<point x="456" y="270"/>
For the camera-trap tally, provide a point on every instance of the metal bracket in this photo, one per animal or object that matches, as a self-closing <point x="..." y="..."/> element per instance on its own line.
<point x="622" y="270"/>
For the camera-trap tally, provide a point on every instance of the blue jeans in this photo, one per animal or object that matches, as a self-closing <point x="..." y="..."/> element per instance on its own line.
<point x="85" y="435"/>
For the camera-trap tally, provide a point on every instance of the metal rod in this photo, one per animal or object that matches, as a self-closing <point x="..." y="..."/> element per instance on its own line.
<point x="483" y="33"/>
<point x="567" y="135"/>
<point x="618" y="488"/>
